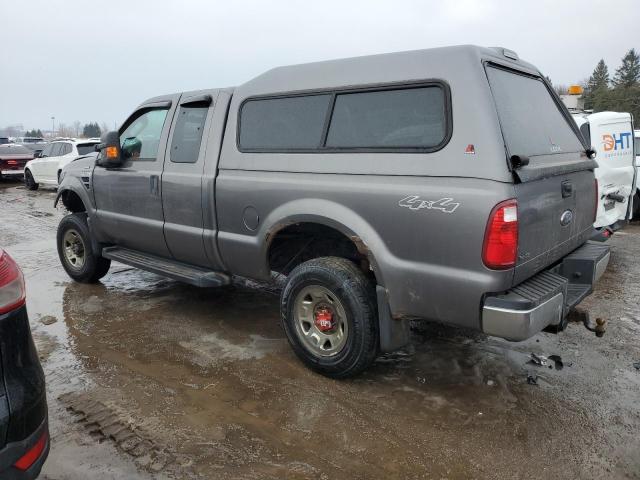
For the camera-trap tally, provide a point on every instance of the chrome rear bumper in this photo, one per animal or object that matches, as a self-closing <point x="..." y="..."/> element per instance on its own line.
<point x="519" y="325"/>
<point x="546" y="298"/>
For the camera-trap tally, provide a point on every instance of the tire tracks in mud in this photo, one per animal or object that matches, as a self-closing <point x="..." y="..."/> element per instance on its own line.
<point x="105" y="423"/>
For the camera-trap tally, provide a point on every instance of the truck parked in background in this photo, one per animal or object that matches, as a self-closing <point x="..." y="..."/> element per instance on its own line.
<point x="636" y="199"/>
<point x="610" y="134"/>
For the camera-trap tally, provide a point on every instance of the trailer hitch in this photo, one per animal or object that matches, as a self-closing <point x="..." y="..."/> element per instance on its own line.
<point x="581" y="316"/>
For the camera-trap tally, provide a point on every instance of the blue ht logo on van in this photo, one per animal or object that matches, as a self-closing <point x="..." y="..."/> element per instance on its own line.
<point x="610" y="142"/>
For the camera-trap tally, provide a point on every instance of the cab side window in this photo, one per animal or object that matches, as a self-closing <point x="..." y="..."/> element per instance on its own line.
<point x="56" y="150"/>
<point x="141" y="138"/>
<point x="187" y="136"/>
<point x="46" y="152"/>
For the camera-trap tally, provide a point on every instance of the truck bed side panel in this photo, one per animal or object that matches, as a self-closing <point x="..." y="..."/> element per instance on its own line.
<point x="425" y="250"/>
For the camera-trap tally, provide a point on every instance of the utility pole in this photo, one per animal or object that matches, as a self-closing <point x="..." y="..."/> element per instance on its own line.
<point x="53" y="127"/>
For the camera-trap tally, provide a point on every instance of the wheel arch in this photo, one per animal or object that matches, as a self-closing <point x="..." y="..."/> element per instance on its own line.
<point x="73" y="200"/>
<point x="327" y="216"/>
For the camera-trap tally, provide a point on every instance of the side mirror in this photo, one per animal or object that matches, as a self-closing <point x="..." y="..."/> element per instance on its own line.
<point x="109" y="148"/>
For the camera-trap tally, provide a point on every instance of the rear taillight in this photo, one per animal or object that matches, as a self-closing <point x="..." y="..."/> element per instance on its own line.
<point x="595" y="204"/>
<point x="500" y="248"/>
<point x="12" y="293"/>
<point x="33" y="454"/>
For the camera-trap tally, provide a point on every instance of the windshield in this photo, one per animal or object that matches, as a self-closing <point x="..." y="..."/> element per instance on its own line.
<point x="84" y="148"/>
<point x="532" y="123"/>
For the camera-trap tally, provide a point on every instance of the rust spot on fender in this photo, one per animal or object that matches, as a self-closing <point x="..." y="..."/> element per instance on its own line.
<point x="360" y="245"/>
<point x="274" y="229"/>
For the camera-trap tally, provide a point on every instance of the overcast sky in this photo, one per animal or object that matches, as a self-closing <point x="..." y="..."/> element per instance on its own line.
<point x="95" y="61"/>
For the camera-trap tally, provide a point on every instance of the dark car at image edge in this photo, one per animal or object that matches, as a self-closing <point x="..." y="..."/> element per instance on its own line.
<point x="13" y="158"/>
<point x="24" y="435"/>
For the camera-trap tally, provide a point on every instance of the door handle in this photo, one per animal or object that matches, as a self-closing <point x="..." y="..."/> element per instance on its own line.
<point x="567" y="189"/>
<point x="154" y="185"/>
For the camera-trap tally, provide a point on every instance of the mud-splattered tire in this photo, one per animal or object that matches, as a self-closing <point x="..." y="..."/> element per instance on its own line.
<point x="329" y="315"/>
<point x="76" y="251"/>
<point x="29" y="181"/>
<point x="636" y="207"/>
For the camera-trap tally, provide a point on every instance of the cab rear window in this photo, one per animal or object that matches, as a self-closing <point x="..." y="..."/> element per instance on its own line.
<point x="531" y="121"/>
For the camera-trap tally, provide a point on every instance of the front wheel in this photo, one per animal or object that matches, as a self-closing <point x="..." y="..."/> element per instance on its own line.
<point x="329" y="315"/>
<point x="29" y="181"/>
<point x="76" y="252"/>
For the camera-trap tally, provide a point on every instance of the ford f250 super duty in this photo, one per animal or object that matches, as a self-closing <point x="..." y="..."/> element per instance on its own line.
<point x="448" y="184"/>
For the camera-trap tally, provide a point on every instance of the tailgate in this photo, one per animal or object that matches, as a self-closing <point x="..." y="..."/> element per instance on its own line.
<point x="555" y="187"/>
<point x="555" y="216"/>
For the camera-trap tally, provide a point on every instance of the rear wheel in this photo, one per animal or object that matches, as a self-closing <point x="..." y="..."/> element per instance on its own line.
<point x="636" y="207"/>
<point x="29" y="181"/>
<point x="76" y="251"/>
<point x="329" y="315"/>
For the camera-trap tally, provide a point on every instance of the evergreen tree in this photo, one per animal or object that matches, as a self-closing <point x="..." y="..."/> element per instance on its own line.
<point x="91" y="130"/>
<point x="600" y="77"/>
<point x="33" y="133"/>
<point x="597" y="87"/>
<point x="628" y="75"/>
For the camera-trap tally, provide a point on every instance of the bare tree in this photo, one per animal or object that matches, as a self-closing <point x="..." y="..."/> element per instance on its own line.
<point x="14" y="130"/>
<point x="76" y="128"/>
<point x="561" y="89"/>
<point x="64" y="130"/>
<point x="104" y="127"/>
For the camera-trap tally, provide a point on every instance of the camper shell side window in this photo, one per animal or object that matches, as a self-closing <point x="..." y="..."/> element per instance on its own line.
<point x="414" y="118"/>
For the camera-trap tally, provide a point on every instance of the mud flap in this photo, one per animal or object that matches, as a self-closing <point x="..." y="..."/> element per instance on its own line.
<point x="394" y="334"/>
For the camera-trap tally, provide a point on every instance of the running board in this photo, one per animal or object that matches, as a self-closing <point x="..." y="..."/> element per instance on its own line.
<point x="183" y="272"/>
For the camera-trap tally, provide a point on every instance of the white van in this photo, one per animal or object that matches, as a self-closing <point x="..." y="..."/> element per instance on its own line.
<point x="611" y="135"/>
<point x="636" y="200"/>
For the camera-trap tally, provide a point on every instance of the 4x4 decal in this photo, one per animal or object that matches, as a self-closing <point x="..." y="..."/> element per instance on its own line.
<point x="414" y="202"/>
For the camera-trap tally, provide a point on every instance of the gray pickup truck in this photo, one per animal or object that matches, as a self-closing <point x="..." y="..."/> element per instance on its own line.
<point x="447" y="184"/>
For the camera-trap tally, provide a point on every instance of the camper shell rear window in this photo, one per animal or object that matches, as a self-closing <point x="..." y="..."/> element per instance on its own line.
<point x="531" y="120"/>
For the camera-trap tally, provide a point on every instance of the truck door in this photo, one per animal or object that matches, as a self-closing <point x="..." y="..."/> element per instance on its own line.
<point x="128" y="198"/>
<point x="184" y="179"/>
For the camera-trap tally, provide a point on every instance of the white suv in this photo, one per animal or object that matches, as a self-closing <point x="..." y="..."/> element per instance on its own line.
<point x="47" y="167"/>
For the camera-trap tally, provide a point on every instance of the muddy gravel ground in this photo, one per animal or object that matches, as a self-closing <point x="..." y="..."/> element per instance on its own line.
<point x="149" y="378"/>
